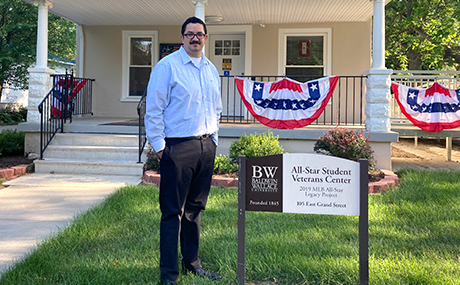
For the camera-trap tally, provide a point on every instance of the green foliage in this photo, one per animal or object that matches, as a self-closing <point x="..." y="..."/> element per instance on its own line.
<point x="18" y="40"/>
<point x="223" y="165"/>
<point x="11" y="142"/>
<point x="152" y="161"/>
<point x="12" y="114"/>
<point x="255" y="145"/>
<point x="423" y="35"/>
<point x="345" y="143"/>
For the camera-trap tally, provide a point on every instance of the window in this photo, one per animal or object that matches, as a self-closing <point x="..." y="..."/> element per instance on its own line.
<point x="227" y="47"/>
<point x="140" y="55"/>
<point x="305" y="52"/>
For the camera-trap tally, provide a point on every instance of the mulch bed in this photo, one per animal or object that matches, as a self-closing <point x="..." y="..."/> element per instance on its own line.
<point x="13" y="160"/>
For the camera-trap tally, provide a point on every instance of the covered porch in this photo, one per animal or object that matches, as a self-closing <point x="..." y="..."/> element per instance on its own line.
<point x="344" y="30"/>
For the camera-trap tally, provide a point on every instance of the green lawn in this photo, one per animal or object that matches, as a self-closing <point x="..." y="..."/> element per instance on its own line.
<point x="414" y="238"/>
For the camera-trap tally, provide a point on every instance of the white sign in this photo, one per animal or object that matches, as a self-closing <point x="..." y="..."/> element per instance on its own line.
<point x="320" y="184"/>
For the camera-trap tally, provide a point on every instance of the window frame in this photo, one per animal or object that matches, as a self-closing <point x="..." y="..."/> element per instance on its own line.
<point x="126" y="51"/>
<point x="326" y="33"/>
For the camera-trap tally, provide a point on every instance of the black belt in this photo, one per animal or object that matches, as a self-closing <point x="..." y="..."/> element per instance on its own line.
<point x="202" y="137"/>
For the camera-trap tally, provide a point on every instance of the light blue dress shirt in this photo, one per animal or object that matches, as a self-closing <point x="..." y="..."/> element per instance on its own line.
<point x="183" y="100"/>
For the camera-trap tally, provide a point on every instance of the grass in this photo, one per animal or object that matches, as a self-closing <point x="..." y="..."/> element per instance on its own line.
<point x="414" y="238"/>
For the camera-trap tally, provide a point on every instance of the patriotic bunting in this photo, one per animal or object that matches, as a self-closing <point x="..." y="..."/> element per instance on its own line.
<point x="433" y="109"/>
<point x="286" y="103"/>
<point x="58" y="94"/>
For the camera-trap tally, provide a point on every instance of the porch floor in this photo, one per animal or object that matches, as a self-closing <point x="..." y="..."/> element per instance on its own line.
<point x="93" y="124"/>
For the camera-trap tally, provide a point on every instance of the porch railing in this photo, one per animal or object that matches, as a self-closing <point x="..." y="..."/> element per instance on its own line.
<point x="422" y="79"/>
<point x="141" y="114"/>
<point x="346" y="106"/>
<point x="69" y="96"/>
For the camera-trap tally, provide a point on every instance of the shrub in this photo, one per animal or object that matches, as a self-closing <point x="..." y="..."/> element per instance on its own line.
<point x="223" y="165"/>
<point x="152" y="162"/>
<point x="255" y="145"/>
<point x="11" y="142"/>
<point x="345" y="143"/>
<point x="12" y="114"/>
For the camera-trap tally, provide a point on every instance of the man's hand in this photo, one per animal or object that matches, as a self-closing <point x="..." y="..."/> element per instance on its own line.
<point x="159" y="154"/>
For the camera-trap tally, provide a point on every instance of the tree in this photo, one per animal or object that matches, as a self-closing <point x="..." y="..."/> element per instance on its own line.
<point x="423" y="35"/>
<point x="18" y="40"/>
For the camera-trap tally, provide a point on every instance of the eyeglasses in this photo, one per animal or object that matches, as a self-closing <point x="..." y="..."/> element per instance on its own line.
<point x="191" y="35"/>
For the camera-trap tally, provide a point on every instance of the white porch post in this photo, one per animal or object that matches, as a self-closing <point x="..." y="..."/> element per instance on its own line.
<point x="199" y="8"/>
<point x="80" y="51"/>
<point x="40" y="81"/>
<point x="378" y="96"/>
<point x="200" y="11"/>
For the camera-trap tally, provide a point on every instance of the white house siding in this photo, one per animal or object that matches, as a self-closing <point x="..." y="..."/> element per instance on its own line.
<point x="351" y="55"/>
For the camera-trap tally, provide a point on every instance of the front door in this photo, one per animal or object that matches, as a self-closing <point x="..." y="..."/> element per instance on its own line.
<point x="227" y="54"/>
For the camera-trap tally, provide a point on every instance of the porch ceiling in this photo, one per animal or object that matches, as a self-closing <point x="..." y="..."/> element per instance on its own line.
<point x="173" y="12"/>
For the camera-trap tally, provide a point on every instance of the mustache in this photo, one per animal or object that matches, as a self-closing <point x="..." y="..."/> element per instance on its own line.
<point x="195" y="42"/>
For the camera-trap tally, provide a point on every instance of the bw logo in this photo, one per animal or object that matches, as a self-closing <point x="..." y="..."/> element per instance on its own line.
<point x="260" y="171"/>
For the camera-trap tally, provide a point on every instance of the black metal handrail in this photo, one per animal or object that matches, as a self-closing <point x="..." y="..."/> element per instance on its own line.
<point x="344" y="108"/>
<point x="141" y="114"/>
<point x="67" y="97"/>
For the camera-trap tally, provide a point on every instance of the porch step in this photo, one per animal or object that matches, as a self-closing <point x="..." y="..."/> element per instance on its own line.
<point x="94" y="139"/>
<point x="100" y="167"/>
<point x="92" y="152"/>
<point x="82" y="153"/>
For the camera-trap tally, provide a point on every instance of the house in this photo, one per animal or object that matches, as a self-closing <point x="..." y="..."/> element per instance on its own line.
<point x="119" y="42"/>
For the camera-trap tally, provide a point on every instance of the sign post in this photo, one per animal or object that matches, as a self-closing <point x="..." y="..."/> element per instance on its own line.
<point x="241" y="218"/>
<point x="304" y="183"/>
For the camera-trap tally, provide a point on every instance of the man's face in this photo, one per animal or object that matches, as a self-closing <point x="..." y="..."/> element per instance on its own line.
<point x="194" y="46"/>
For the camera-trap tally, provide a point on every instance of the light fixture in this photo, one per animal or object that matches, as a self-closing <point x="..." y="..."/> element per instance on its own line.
<point x="213" y="19"/>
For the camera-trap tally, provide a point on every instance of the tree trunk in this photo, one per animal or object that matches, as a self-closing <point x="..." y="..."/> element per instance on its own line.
<point x="415" y="60"/>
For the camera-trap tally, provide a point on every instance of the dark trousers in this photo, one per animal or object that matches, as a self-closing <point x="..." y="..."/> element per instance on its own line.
<point x="186" y="173"/>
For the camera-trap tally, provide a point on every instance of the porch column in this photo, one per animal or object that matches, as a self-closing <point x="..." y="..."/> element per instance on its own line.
<point x="40" y="81"/>
<point x="378" y="111"/>
<point x="199" y="8"/>
<point x="80" y="51"/>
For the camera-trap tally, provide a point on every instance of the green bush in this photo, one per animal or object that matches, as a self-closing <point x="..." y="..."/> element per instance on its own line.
<point x="12" y="114"/>
<point x="345" y="143"/>
<point x="223" y="165"/>
<point x="11" y="142"/>
<point x="152" y="162"/>
<point x="255" y="145"/>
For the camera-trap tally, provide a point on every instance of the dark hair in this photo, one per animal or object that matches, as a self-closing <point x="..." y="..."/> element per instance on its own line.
<point x="193" y="20"/>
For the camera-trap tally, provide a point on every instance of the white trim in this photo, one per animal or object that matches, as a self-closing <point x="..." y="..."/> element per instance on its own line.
<point x="325" y="32"/>
<point x="80" y="49"/>
<point x="126" y="52"/>
<point x="245" y="30"/>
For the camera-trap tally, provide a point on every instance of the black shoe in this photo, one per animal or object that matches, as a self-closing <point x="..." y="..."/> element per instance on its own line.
<point x="203" y="273"/>
<point x="168" y="282"/>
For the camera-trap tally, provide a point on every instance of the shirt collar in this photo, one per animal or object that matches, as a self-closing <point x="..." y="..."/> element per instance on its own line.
<point x="186" y="58"/>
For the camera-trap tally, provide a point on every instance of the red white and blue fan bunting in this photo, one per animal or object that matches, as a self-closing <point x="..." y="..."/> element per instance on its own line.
<point x="286" y="103"/>
<point x="433" y="109"/>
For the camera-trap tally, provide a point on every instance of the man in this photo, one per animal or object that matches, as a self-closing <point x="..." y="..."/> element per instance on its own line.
<point x="181" y="121"/>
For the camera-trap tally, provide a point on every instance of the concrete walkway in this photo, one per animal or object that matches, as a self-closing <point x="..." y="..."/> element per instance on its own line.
<point x="35" y="206"/>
